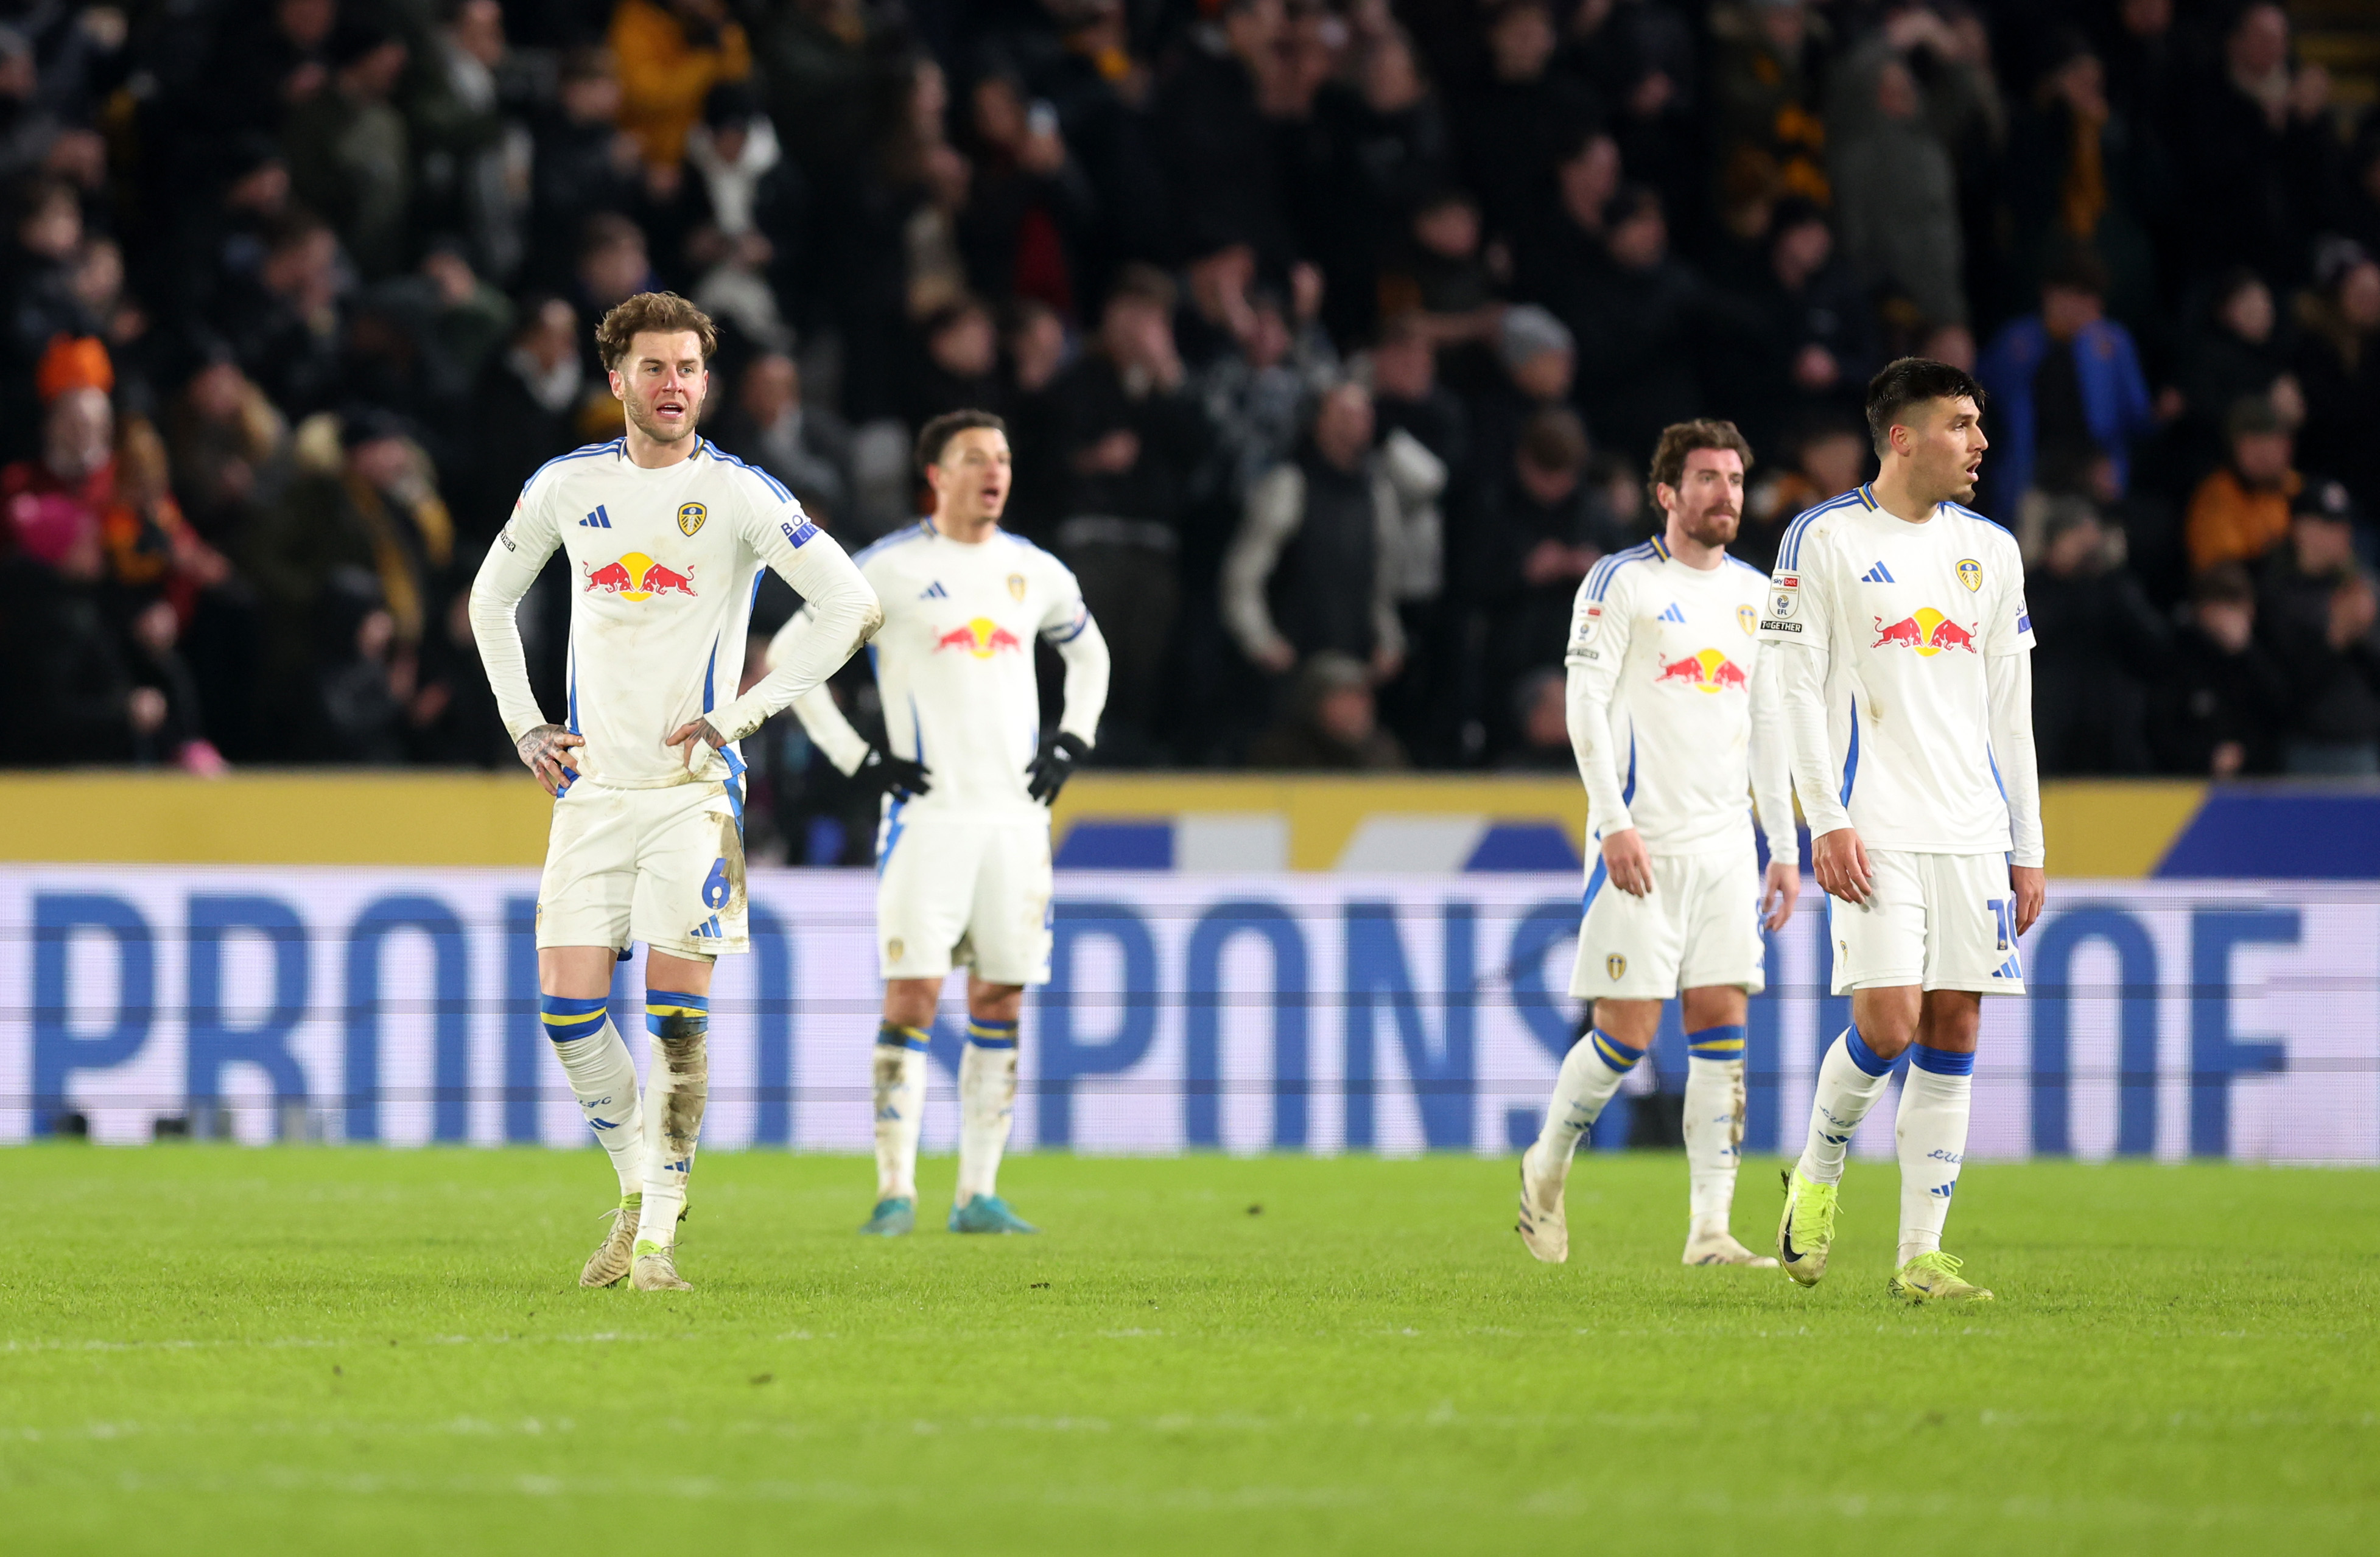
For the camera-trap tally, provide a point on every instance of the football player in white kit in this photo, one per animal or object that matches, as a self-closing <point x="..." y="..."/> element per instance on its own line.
<point x="962" y="853"/>
<point x="1674" y="718"/>
<point x="1906" y="667"/>
<point x="665" y="537"/>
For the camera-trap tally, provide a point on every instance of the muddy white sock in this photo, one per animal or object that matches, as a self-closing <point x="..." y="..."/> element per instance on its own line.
<point x="1714" y="1123"/>
<point x="676" y="1091"/>
<point x="1851" y="1078"/>
<point x="987" y="1107"/>
<point x="899" y="1075"/>
<point x="602" y="1078"/>
<point x="1591" y="1072"/>
<point x="1930" y="1132"/>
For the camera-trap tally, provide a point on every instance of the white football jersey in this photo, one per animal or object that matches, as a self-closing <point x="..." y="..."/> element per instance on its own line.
<point x="1672" y="649"/>
<point x="954" y="662"/>
<point x="663" y="567"/>
<point x="1906" y="615"/>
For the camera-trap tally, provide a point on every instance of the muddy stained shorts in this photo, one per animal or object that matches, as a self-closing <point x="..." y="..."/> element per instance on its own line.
<point x="661" y="866"/>
<point x="956" y="890"/>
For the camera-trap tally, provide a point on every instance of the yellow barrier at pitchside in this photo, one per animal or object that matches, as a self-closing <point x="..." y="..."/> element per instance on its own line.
<point x="2104" y="831"/>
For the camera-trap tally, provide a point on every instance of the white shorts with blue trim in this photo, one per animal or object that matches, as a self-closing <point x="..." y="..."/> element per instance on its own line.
<point x="957" y="891"/>
<point x="1936" y="920"/>
<point x="1699" y="928"/>
<point x="661" y="866"/>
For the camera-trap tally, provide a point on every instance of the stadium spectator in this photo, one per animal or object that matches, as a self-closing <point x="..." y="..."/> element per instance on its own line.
<point x="226" y="440"/>
<point x="1896" y="194"/>
<point x="1318" y="561"/>
<point x="525" y="410"/>
<point x="2101" y="644"/>
<point x="1031" y="203"/>
<point x="582" y="162"/>
<point x="1330" y="722"/>
<point x="1541" y="526"/>
<point x="1539" y="361"/>
<point x="350" y="154"/>
<point x="2216" y="713"/>
<point x="1217" y="149"/>
<point x="1828" y="460"/>
<point x="2082" y="177"/>
<point x="2338" y="365"/>
<point x="1812" y="332"/>
<point x="363" y="508"/>
<point x="2241" y="511"/>
<point x="1566" y="241"/>
<point x="2319" y="612"/>
<point x="1639" y="319"/>
<point x="1522" y="118"/>
<point x="2257" y="155"/>
<point x="1541" y="715"/>
<point x="670" y="54"/>
<point x="1259" y="396"/>
<point x="1770" y="128"/>
<point x="2068" y="395"/>
<point x="807" y="447"/>
<point x="1389" y="147"/>
<point x="1136" y="439"/>
<point x="2240" y="353"/>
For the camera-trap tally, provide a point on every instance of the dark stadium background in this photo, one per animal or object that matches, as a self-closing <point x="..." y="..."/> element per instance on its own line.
<point x="299" y="292"/>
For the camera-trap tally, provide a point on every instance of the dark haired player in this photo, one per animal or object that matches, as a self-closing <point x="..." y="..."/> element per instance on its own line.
<point x="962" y="853"/>
<point x="1673" y="715"/>
<point x="1907" y="682"/>
<point x="665" y="536"/>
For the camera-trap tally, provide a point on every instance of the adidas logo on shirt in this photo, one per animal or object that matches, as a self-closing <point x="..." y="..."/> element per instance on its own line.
<point x="934" y="591"/>
<point x="1877" y="574"/>
<point x="599" y="520"/>
<point x="1674" y="614"/>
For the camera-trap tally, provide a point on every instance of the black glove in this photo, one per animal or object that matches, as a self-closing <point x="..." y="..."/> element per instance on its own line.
<point x="1055" y="764"/>
<point x="880" y="770"/>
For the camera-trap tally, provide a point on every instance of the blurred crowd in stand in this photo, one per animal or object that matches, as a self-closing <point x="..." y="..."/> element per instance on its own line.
<point x="1332" y="337"/>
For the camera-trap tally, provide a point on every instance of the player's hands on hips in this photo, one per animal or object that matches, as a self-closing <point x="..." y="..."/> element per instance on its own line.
<point x="2032" y="885"/>
<point x="1054" y="765"/>
<point x="1627" y="863"/>
<point x="1779" y="892"/>
<point x="546" y="753"/>
<point x="1840" y="860"/>
<point x="904" y="777"/>
<point x="686" y="735"/>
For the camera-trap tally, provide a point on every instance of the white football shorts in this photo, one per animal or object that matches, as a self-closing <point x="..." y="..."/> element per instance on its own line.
<point x="1937" y="920"/>
<point x="661" y="866"/>
<point x="1697" y="929"/>
<point x="951" y="889"/>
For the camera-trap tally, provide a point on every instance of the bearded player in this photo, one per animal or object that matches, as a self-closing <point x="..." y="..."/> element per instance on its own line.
<point x="665" y="537"/>
<point x="1905" y="653"/>
<point x="1674" y="719"/>
<point x="962" y="853"/>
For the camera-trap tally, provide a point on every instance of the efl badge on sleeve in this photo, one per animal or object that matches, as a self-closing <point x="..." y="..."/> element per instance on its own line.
<point x="690" y="516"/>
<point x="1970" y="573"/>
<point x="1016" y="586"/>
<point x="1747" y="619"/>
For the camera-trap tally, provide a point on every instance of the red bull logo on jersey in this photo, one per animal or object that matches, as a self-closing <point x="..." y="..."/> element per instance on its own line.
<point x="638" y="578"/>
<point x="981" y="637"/>
<point x="1929" y="632"/>
<point x="1709" y="672"/>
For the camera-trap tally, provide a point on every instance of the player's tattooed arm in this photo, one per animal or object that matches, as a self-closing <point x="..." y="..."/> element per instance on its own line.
<point x="687" y="734"/>
<point x="545" y="751"/>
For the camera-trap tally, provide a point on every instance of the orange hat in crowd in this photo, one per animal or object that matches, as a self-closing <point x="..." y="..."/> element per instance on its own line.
<point x="72" y="363"/>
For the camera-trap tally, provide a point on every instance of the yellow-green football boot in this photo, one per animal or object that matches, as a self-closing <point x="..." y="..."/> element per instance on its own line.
<point x="1806" y="1231"/>
<point x="1933" y="1277"/>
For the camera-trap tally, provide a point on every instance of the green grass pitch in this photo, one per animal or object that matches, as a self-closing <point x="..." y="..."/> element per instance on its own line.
<point x="216" y="1349"/>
